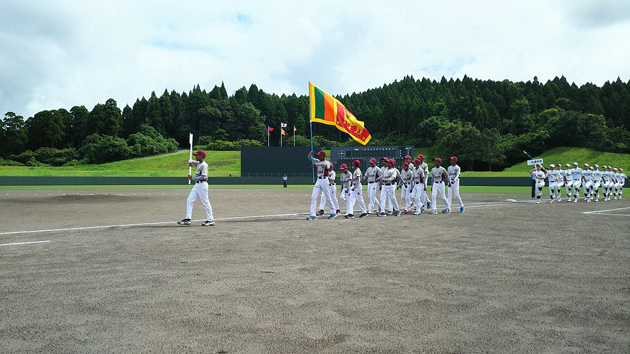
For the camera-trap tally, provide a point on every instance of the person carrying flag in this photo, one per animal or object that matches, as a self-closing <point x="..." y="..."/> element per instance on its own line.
<point x="321" y="184"/>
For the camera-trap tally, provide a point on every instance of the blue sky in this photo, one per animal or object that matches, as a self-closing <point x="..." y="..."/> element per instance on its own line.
<point x="62" y="53"/>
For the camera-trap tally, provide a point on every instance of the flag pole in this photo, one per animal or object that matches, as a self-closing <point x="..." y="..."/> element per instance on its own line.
<point x="294" y="136"/>
<point x="310" y="122"/>
<point x="267" y="136"/>
<point x="280" y="134"/>
<point x="190" y="140"/>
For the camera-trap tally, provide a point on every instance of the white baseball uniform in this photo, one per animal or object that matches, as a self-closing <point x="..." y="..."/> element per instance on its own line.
<point x="332" y="189"/>
<point x="587" y="178"/>
<point x="439" y="176"/>
<point x="453" y="189"/>
<point x="540" y="182"/>
<point x="407" y="178"/>
<point x="373" y="174"/>
<point x="576" y="176"/>
<point x="606" y="184"/>
<point x="199" y="190"/>
<point x="597" y="182"/>
<point x="388" y="191"/>
<point x="345" y="180"/>
<point x="419" y="180"/>
<point x="569" y="182"/>
<point x="321" y="186"/>
<point x="554" y="177"/>
<point x="356" y="192"/>
<point x="425" y="168"/>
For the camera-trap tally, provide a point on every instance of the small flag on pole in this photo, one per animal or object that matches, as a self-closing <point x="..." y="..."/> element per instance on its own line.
<point x="270" y="129"/>
<point x="294" y="128"/>
<point x="283" y="125"/>
<point x="283" y="132"/>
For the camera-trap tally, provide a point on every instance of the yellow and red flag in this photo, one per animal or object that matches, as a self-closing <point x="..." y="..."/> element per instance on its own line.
<point x="328" y="110"/>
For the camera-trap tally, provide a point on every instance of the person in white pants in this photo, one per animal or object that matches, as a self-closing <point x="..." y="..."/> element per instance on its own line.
<point x="425" y="167"/>
<point x="587" y="182"/>
<point x="453" y="183"/>
<point x="356" y="191"/>
<point x="332" y="189"/>
<point x="568" y="181"/>
<point x="540" y="181"/>
<point x="621" y="177"/>
<point x="372" y="175"/>
<point x="439" y="177"/>
<point x="618" y="183"/>
<point x="553" y="176"/>
<point x="559" y="182"/>
<point x="199" y="190"/>
<point x="345" y="179"/>
<point x="419" y="186"/>
<point x="406" y="175"/>
<point x="612" y="183"/>
<point x="321" y="184"/>
<point x="388" y="193"/>
<point x="606" y="183"/>
<point x="383" y="200"/>
<point x="597" y="182"/>
<point x="576" y="176"/>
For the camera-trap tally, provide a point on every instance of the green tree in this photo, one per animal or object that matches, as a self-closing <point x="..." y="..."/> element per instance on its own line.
<point x="13" y="136"/>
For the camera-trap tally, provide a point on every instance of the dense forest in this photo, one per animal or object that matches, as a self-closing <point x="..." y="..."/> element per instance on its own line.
<point x="486" y="123"/>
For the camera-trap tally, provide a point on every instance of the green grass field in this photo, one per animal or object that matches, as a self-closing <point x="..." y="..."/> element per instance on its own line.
<point x="569" y="155"/>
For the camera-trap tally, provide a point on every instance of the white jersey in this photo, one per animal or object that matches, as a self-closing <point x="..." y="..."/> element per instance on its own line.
<point x="576" y="174"/>
<point x="540" y="176"/>
<point x="331" y="177"/>
<point x="372" y="173"/>
<point x="356" y="177"/>
<point x="567" y="175"/>
<point x="406" y="176"/>
<point x="438" y="174"/>
<point x="597" y="176"/>
<point x="322" y="167"/>
<point x="453" y="173"/>
<point x="613" y="176"/>
<point x="202" y="171"/>
<point x="424" y="168"/>
<point x="389" y="175"/>
<point x="588" y="175"/>
<point x="621" y="178"/>
<point x="419" y="176"/>
<point x="345" y="179"/>
<point x="606" y="176"/>
<point x="554" y="176"/>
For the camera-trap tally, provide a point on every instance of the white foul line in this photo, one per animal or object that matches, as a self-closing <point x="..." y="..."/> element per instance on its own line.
<point x="139" y="224"/>
<point x="606" y="212"/>
<point x="23" y="243"/>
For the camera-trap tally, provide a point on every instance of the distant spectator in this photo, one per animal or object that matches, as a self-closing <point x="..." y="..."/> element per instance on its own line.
<point x="284" y="181"/>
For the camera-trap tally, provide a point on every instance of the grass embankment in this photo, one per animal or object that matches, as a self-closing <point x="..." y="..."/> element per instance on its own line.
<point x="221" y="164"/>
<point x="569" y="155"/>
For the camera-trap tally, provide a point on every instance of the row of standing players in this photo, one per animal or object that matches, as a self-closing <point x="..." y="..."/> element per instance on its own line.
<point x="591" y="179"/>
<point x="412" y="180"/>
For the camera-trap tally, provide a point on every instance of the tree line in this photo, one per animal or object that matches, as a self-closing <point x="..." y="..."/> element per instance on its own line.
<point x="486" y="123"/>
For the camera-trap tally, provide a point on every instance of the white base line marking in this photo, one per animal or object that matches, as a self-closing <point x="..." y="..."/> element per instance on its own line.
<point x="23" y="243"/>
<point x="140" y="224"/>
<point x="606" y="211"/>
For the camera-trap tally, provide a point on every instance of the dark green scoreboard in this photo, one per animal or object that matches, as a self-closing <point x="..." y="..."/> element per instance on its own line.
<point x="347" y="154"/>
<point x="276" y="161"/>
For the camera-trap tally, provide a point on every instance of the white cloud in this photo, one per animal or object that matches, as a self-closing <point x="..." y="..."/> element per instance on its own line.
<point x="68" y="52"/>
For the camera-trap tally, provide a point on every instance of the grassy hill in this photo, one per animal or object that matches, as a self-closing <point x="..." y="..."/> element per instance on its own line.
<point x="224" y="163"/>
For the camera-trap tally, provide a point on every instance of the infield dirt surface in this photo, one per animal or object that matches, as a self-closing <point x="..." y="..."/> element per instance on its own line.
<point x="504" y="277"/>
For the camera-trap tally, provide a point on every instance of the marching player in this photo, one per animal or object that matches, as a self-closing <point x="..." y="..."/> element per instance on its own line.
<point x="568" y="181"/>
<point x="587" y="178"/>
<point x="439" y="176"/>
<point x="622" y="181"/>
<point x="576" y="176"/>
<point x="199" y="190"/>
<point x="406" y="175"/>
<point x="606" y="183"/>
<point x="372" y="175"/>
<point x="345" y="180"/>
<point x="419" y="186"/>
<point x="388" y="192"/>
<point x="425" y="168"/>
<point x="553" y="175"/>
<point x="453" y="183"/>
<point x="618" y="182"/>
<point x="356" y="191"/>
<point x="560" y="182"/>
<point x="384" y="170"/>
<point x="332" y="189"/>
<point x="321" y="185"/>
<point x="540" y="181"/>
<point x="597" y="181"/>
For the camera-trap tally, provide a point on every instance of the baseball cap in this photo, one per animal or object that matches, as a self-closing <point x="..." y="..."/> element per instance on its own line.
<point x="408" y="157"/>
<point x="200" y="152"/>
<point x="437" y="159"/>
<point x="385" y="159"/>
<point x="454" y="158"/>
<point x="356" y="163"/>
<point x="321" y="153"/>
<point x="392" y="161"/>
<point x="372" y="160"/>
<point x="552" y="166"/>
<point x="615" y="169"/>
<point x="585" y="165"/>
<point x="405" y="165"/>
<point x="567" y="165"/>
<point x="343" y="166"/>
<point x="575" y="164"/>
<point x="417" y="161"/>
<point x="421" y="157"/>
<point x="596" y="165"/>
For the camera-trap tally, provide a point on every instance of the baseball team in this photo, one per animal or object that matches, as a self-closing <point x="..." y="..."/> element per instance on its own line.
<point x="590" y="178"/>
<point x="412" y="181"/>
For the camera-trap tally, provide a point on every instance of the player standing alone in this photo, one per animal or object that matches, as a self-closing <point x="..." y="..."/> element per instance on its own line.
<point x="439" y="176"/>
<point x="199" y="190"/>
<point x="453" y="183"/>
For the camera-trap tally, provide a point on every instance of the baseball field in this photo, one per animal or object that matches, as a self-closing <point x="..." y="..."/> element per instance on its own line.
<point x="95" y="271"/>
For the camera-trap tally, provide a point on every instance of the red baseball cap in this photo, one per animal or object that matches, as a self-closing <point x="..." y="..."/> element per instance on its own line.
<point x="321" y="153"/>
<point x="408" y="157"/>
<point x="372" y="160"/>
<point x="343" y="166"/>
<point x="385" y="159"/>
<point x="417" y="161"/>
<point x="454" y="158"/>
<point x="356" y="163"/>
<point x="421" y="157"/>
<point x="392" y="161"/>
<point x="200" y="152"/>
<point x="405" y="165"/>
<point x="437" y="159"/>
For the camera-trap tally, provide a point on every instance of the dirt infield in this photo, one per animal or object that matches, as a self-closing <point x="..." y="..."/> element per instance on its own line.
<point x="110" y="271"/>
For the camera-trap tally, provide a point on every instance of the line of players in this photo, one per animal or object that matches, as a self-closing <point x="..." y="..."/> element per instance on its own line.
<point x="591" y="179"/>
<point x="412" y="180"/>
